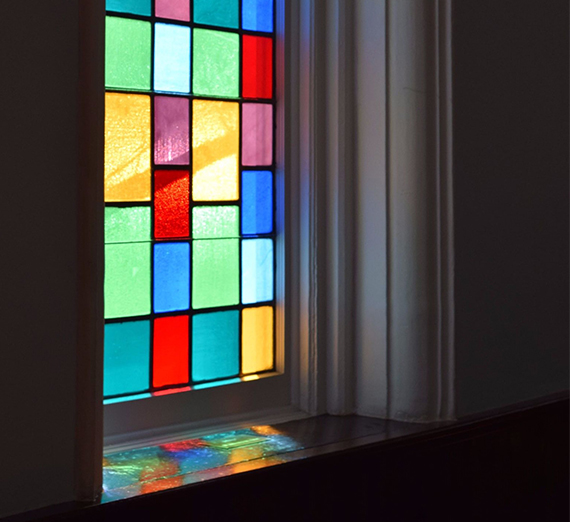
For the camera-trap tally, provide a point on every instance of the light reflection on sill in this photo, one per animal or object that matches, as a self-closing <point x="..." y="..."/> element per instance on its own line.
<point x="156" y="468"/>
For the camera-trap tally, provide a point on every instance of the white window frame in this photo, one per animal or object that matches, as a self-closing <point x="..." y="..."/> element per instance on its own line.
<point x="369" y="244"/>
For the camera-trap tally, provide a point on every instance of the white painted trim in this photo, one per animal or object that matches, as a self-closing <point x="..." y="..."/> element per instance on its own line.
<point x="306" y="110"/>
<point x="192" y="430"/>
<point x="371" y="340"/>
<point x="420" y="216"/>
<point x="340" y="204"/>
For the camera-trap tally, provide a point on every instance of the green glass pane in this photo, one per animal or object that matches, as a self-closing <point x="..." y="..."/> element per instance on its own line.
<point x="127" y="224"/>
<point x="127" y="54"/>
<point x="127" y="279"/>
<point x="215" y="345"/>
<point x="215" y="222"/>
<point x="127" y="357"/>
<point x="216" y="63"/>
<point x="222" y="13"/>
<point x="215" y="273"/>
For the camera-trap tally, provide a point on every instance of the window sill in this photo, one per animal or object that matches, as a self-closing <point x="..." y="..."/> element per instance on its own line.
<point x="342" y="468"/>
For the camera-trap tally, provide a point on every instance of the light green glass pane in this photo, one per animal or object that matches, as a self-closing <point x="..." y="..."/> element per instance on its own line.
<point x="215" y="273"/>
<point x="215" y="222"/>
<point x="127" y="279"/>
<point x="216" y="63"/>
<point x="127" y="224"/>
<point x="222" y="13"/>
<point x="127" y="54"/>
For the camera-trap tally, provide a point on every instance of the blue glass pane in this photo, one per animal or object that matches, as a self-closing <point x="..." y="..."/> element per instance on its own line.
<point x="257" y="270"/>
<point x="171" y="277"/>
<point x="215" y="345"/>
<point x="223" y="13"/>
<point x="140" y="7"/>
<point x="171" y="58"/>
<point x="257" y="202"/>
<point x="127" y="356"/>
<point x="257" y="15"/>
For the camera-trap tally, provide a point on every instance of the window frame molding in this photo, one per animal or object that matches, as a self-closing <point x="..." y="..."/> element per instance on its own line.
<point x="355" y="354"/>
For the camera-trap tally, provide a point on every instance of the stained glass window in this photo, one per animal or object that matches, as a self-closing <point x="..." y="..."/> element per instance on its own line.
<point x="189" y="194"/>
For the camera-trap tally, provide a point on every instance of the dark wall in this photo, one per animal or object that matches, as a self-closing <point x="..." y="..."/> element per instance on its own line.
<point x="510" y="132"/>
<point x="38" y="281"/>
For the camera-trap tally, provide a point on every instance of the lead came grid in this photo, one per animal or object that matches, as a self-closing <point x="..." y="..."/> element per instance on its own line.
<point x="189" y="194"/>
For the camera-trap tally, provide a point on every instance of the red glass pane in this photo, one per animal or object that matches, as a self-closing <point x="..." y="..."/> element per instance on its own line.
<point x="257" y="67"/>
<point x="171" y="203"/>
<point x="170" y="351"/>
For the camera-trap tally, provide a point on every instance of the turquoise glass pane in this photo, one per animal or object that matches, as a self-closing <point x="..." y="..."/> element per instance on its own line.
<point x="215" y="345"/>
<point x="171" y="58"/>
<point x="140" y="7"/>
<point x="257" y="202"/>
<point x="223" y="13"/>
<point x="215" y="222"/>
<point x="171" y="277"/>
<point x="127" y="357"/>
<point x="127" y="279"/>
<point x="257" y="270"/>
<point x="257" y="15"/>
<point x="127" y="224"/>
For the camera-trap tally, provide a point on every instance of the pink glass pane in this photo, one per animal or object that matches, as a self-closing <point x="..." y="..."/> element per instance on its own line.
<point x="173" y="9"/>
<point x="171" y="131"/>
<point x="257" y="134"/>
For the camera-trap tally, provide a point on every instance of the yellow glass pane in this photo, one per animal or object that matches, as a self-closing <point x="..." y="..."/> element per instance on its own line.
<point x="257" y="339"/>
<point x="215" y="146"/>
<point x="127" y="147"/>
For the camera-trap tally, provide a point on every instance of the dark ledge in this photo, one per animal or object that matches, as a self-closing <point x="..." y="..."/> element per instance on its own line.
<point x="510" y="464"/>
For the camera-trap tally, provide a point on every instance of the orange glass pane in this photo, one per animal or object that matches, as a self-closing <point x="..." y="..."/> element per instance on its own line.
<point x="215" y="146"/>
<point x="257" y="339"/>
<point x="127" y="147"/>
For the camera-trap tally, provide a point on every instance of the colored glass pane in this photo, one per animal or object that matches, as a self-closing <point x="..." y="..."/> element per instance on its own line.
<point x="215" y="345"/>
<point x="171" y="277"/>
<point x="126" y="357"/>
<point x="127" y="54"/>
<point x="127" y="224"/>
<point x="257" y="73"/>
<point x="171" y="203"/>
<point x="170" y="351"/>
<point x="215" y="222"/>
<point x="257" y="270"/>
<point x="174" y="9"/>
<point x="215" y="273"/>
<point x="215" y="63"/>
<point x="257" y="15"/>
<point x="257" y="134"/>
<point x="257" y="202"/>
<point x="257" y="339"/>
<point x="139" y="7"/>
<point x="223" y="13"/>
<point x="127" y="147"/>
<point x="171" y="58"/>
<point x="127" y="279"/>
<point x="215" y="148"/>
<point x="171" y="131"/>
